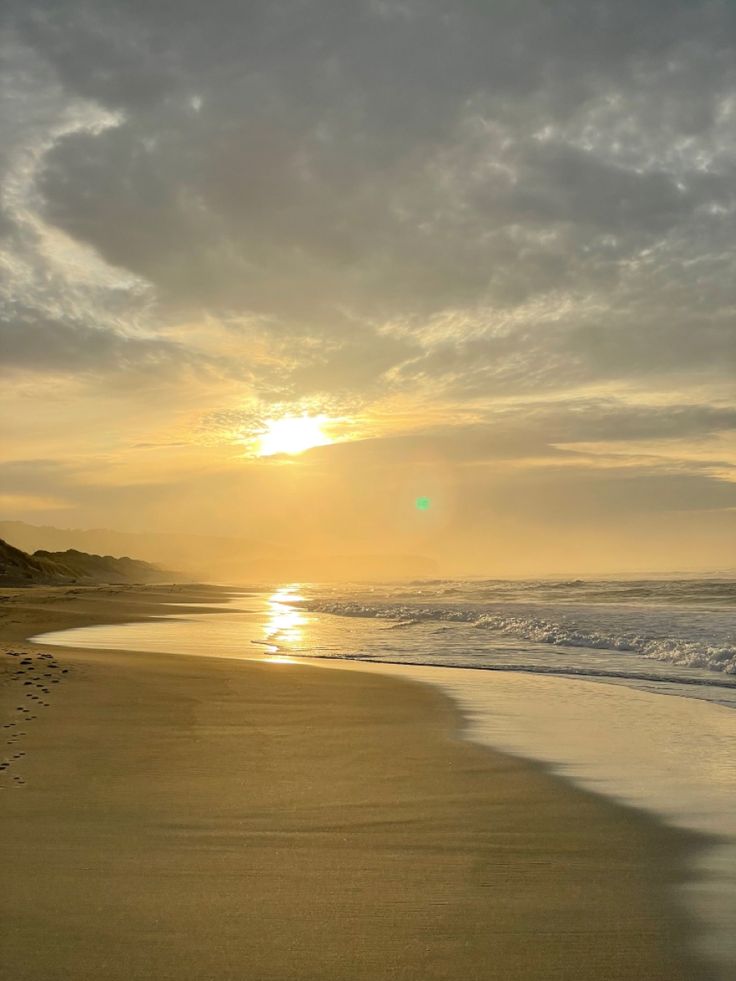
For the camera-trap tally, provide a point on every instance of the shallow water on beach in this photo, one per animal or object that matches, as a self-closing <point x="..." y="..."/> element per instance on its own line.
<point x="618" y="733"/>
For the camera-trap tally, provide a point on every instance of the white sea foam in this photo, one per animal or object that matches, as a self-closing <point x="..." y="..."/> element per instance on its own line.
<point x="711" y="649"/>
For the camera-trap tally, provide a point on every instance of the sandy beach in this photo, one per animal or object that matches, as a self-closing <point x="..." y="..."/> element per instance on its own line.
<point x="195" y="818"/>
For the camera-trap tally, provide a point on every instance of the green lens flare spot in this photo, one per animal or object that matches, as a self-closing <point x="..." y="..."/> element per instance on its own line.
<point x="422" y="503"/>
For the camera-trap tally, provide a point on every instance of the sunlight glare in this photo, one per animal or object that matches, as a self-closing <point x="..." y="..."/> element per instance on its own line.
<point x="292" y="435"/>
<point x="284" y="623"/>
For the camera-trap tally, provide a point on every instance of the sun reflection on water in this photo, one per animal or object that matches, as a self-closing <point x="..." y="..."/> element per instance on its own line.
<point x="284" y="626"/>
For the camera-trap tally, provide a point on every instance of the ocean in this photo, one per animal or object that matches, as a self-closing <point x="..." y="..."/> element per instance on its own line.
<point x="627" y="688"/>
<point x="656" y="634"/>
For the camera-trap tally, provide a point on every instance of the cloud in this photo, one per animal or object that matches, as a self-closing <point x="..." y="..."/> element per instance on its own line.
<point x="518" y="214"/>
<point x="39" y="346"/>
<point x="538" y="430"/>
<point x="61" y="307"/>
<point x="326" y="171"/>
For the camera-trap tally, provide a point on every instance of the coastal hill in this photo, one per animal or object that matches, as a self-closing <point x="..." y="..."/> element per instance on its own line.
<point x="18" y="568"/>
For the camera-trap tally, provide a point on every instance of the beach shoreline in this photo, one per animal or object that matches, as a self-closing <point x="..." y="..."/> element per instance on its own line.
<point x="309" y="846"/>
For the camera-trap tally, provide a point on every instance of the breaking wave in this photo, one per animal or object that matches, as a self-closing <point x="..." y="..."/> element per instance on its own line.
<point x="677" y="650"/>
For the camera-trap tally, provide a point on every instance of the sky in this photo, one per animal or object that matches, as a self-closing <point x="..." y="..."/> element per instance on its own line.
<point x="488" y="245"/>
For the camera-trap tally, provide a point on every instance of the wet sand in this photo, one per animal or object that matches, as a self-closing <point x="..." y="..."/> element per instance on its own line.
<point x="192" y="819"/>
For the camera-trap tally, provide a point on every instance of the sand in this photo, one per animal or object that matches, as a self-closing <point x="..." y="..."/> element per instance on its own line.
<point x="190" y="819"/>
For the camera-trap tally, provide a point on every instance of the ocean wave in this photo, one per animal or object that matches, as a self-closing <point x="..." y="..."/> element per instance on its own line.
<point x="672" y="650"/>
<point x="539" y="630"/>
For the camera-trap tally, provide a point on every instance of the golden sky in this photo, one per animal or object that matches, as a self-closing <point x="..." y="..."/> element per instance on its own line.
<point x="488" y="249"/>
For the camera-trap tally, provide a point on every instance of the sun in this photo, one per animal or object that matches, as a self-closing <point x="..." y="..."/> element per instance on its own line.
<point x="292" y="434"/>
